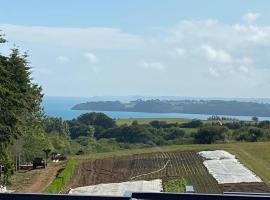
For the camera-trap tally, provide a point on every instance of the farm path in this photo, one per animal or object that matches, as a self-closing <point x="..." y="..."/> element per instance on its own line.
<point x="41" y="179"/>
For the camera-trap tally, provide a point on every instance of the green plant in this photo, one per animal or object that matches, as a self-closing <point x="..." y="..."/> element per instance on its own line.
<point x="177" y="185"/>
<point x="62" y="179"/>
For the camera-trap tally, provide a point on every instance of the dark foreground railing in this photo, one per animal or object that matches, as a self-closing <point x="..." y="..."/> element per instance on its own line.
<point x="185" y="196"/>
<point x="134" y="196"/>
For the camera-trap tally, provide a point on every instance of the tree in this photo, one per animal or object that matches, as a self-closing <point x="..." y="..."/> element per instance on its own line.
<point x="251" y="134"/>
<point x="158" y="124"/>
<point x="47" y="153"/>
<point x="135" y="123"/>
<point x="78" y="129"/>
<point x="210" y="134"/>
<point x="174" y="133"/>
<point x="20" y="99"/>
<point x="195" y="123"/>
<point x="96" y="119"/>
<point x="255" y="119"/>
<point x="20" y="102"/>
<point x="56" y="125"/>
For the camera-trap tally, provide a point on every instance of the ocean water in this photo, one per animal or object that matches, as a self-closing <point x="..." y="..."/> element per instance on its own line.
<point x="61" y="107"/>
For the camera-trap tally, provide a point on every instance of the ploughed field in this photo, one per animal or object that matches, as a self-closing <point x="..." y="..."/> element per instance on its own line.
<point x="165" y="166"/>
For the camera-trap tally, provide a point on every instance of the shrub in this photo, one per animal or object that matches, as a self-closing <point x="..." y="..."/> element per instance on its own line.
<point x="210" y="134"/>
<point x="177" y="185"/>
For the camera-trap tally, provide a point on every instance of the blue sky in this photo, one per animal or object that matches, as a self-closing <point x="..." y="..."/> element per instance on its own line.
<point x="139" y="47"/>
<point x="128" y="15"/>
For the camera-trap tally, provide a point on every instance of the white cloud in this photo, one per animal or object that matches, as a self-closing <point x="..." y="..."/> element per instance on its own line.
<point x="90" y="57"/>
<point x="63" y="59"/>
<point x="229" y="52"/>
<point x="152" y="65"/>
<point x="218" y="55"/>
<point x="213" y="72"/>
<point x="251" y="17"/>
<point x="93" y="37"/>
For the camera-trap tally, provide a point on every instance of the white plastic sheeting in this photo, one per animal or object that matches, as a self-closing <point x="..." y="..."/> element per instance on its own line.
<point x="119" y="189"/>
<point x="3" y="189"/>
<point x="225" y="168"/>
<point x="216" y="155"/>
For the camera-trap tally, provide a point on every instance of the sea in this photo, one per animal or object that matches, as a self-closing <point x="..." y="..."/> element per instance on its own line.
<point x="61" y="107"/>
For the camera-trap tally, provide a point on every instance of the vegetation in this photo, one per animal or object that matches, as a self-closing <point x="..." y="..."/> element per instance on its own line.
<point x="62" y="179"/>
<point x="21" y="113"/>
<point x="96" y="132"/>
<point x="148" y="120"/>
<point x="26" y="133"/>
<point x="177" y="185"/>
<point x="210" y="134"/>
<point x="254" y="155"/>
<point x="211" y="107"/>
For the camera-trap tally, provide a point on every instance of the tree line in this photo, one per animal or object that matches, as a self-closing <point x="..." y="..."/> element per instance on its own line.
<point x="210" y="107"/>
<point x="20" y="112"/>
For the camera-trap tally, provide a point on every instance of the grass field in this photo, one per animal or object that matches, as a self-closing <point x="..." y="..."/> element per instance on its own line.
<point x="147" y="120"/>
<point x="256" y="156"/>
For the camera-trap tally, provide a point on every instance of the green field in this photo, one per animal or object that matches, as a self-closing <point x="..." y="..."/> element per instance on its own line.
<point x="256" y="156"/>
<point x="147" y="120"/>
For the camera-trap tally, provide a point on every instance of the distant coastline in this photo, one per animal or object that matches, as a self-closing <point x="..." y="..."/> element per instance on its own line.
<point x="208" y="107"/>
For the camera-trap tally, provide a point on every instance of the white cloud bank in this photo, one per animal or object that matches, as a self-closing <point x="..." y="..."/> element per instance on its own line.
<point x="197" y="57"/>
<point x="94" y="37"/>
<point x="218" y="55"/>
<point x="251" y="17"/>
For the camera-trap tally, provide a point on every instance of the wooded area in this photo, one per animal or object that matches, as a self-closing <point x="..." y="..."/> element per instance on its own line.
<point x="210" y="107"/>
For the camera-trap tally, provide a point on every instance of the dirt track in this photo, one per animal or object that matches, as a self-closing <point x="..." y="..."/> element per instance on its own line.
<point x="41" y="179"/>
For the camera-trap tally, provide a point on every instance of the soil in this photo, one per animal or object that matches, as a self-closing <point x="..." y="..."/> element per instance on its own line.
<point x="185" y="164"/>
<point x="182" y="164"/>
<point x="41" y="179"/>
<point x="246" y="187"/>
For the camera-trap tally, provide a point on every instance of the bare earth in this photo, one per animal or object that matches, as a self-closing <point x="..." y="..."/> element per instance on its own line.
<point x="182" y="164"/>
<point x="40" y="179"/>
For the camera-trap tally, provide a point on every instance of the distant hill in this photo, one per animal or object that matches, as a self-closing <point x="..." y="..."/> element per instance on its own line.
<point x="211" y="107"/>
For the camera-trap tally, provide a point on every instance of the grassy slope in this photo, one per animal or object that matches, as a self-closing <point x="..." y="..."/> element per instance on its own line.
<point x="256" y="156"/>
<point x="62" y="179"/>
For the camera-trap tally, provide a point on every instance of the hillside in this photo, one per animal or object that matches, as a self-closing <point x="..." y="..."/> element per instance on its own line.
<point x="211" y="107"/>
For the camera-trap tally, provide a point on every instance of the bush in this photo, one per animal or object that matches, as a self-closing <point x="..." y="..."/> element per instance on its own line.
<point x="62" y="179"/>
<point x="195" y="123"/>
<point x="158" y="124"/>
<point x="177" y="185"/>
<point x="252" y="134"/>
<point x="174" y="133"/>
<point x="210" y="134"/>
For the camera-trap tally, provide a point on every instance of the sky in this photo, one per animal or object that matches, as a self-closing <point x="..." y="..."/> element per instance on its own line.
<point x="152" y="48"/>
